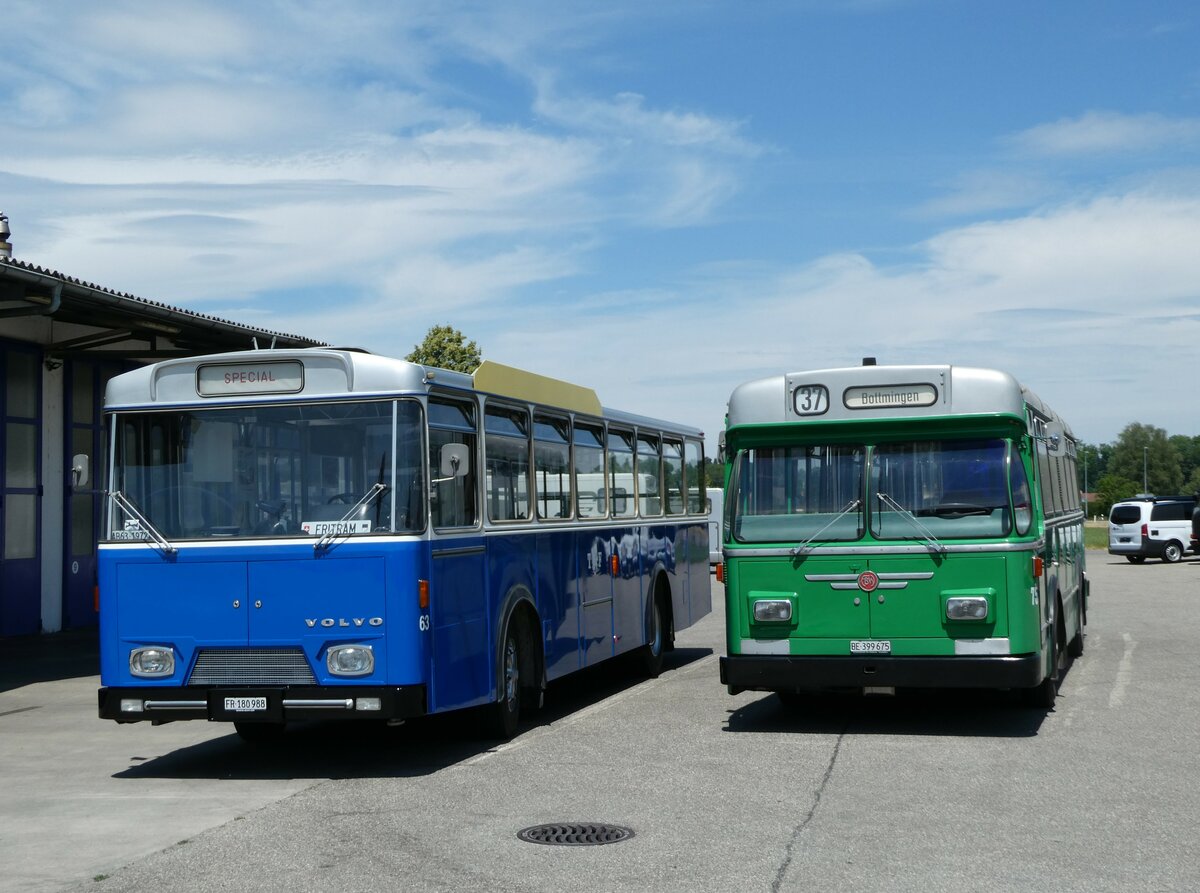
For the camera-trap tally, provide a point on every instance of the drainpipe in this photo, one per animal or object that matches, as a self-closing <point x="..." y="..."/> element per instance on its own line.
<point x="39" y="305"/>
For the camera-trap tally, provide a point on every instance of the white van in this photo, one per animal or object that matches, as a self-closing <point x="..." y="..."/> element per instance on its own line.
<point x="1151" y="527"/>
<point x="716" y="506"/>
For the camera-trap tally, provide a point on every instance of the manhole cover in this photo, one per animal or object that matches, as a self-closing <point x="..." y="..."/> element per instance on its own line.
<point x="581" y="834"/>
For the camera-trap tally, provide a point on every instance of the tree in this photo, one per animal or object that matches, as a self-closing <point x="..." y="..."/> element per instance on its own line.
<point x="1109" y="489"/>
<point x="446" y="348"/>
<point x="714" y="472"/>
<point x="1091" y="464"/>
<point x="1189" y="458"/>
<point x="1143" y="454"/>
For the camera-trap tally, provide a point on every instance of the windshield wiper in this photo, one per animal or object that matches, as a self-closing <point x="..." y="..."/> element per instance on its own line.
<point x="326" y="540"/>
<point x="958" y="509"/>
<point x="127" y="506"/>
<point x="931" y="542"/>
<point x="805" y="547"/>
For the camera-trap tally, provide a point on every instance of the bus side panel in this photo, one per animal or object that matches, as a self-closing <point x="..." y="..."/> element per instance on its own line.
<point x="1024" y="604"/>
<point x="596" y="549"/>
<point x="639" y="548"/>
<point x="512" y="567"/>
<point x="558" y="602"/>
<point x="461" y="648"/>
<point x="409" y="636"/>
<point x="693" y="541"/>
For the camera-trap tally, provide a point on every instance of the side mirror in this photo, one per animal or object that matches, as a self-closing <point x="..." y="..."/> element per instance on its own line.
<point x="1054" y="438"/>
<point x="455" y="459"/>
<point x="79" y="470"/>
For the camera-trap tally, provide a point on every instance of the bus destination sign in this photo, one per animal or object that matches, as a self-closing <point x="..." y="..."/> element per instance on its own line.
<point x="230" y="379"/>
<point x="890" y="396"/>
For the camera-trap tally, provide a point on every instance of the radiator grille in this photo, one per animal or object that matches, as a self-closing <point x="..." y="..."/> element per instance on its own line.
<point x="251" y="666"/>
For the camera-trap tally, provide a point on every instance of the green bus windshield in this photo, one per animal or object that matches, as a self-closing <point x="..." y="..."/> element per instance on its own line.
<point x="918" y="489"/>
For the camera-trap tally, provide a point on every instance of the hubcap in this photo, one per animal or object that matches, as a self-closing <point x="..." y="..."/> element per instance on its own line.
<point x="655" y="630"/>
<point x="511" y="673"/>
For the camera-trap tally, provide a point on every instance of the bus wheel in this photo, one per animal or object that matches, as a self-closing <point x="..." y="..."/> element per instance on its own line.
<point x="259" y="732"/>
<point x="504" y="714"/>
<point x="656" y="640"/>
<point x="1075" y="646"/>
<point x="1135" y="559"/>
<point x="1172" y="553"/>
<point x="1045" y="693"/>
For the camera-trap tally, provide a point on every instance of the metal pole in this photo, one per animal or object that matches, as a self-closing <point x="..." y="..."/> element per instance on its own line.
<point x="1145" y="453"/>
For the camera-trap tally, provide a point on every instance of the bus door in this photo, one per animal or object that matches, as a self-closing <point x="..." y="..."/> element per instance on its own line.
<point x="596" y="595"/>
<point x="462" y="670"/>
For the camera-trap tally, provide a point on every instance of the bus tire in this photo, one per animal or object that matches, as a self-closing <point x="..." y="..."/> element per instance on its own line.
<point x="1045" y="693"/>
<point x="1075" y="646"/>
<point x="503" y="716"/>
<point x="656" y="637"/>
<point x="1135" y="559"/>
<point x="259" y="732"/>
<point x="1172" y="553"/>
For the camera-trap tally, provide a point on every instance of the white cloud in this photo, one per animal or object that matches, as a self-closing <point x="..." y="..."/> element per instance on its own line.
<point x="1098" y="132"/>
<point x="1086" y="303"/>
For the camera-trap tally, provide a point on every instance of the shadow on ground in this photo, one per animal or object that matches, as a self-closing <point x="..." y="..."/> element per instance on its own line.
<point x="25" y="660"/>
<point x="363" y="749"/>
<point x="950" y="713"/>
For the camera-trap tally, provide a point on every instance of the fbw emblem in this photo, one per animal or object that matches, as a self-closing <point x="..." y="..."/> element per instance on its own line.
<point x="868" y="581"/>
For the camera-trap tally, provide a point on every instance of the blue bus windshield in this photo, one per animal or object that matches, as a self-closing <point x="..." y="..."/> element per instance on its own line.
<point x="271" y="471"/>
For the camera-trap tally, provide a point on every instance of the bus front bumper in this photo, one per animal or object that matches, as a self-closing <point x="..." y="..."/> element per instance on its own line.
<point x="806" y="672"/>
<point x="261" y="703"/>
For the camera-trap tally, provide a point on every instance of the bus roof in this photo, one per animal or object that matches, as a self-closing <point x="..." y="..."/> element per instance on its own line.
<point x="322" y="373"/>
<point x="873" y="393"/>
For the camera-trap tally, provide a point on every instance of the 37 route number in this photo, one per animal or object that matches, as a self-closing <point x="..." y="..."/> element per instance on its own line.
<point x="810" y="399"/>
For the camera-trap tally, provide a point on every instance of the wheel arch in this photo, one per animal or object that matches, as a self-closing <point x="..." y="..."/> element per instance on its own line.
<point x="660" y="586"/>
<point x="518" y="606"/>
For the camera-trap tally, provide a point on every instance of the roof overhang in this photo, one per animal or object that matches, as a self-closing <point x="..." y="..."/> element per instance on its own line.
<point x="122" y="326"/>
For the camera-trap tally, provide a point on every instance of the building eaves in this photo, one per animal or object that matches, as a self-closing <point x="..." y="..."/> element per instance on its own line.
<point x="78" y="295"/>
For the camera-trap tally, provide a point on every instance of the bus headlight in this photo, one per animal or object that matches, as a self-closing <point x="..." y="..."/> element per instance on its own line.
<point x="969" y="608"/>
<point x="774" y="610"/>
<point x="350" y="660"/>
<point x="153" y="661"/>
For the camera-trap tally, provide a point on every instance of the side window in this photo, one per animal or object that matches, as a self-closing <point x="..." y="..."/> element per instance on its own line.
<point x="647" y="475"/>
<point x="1046" y="482"/>
<point x="590" y="501"/>
<point x="453" y="501"/>
<point x="506" y="446"/>
<point x="620" y="473"/>
<point x="693" y="462"/>
<point x="1170" y="511"/>
<point x="673" y="476"/>
<point x="1022" y="503"/>
<point x="552" y="466"/>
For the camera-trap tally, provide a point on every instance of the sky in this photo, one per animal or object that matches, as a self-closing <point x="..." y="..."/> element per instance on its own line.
<point x="656" y="200"/>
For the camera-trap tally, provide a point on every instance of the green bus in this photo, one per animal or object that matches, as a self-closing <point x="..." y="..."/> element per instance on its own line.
<point x="900" y="527"/>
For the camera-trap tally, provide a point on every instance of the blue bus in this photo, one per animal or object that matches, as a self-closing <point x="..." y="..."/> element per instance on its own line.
<point x="325" y="533"/>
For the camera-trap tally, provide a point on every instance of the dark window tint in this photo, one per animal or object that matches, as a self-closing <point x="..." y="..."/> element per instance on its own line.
<point x="1126" y="514"/>
<point x="1171" y="511"/>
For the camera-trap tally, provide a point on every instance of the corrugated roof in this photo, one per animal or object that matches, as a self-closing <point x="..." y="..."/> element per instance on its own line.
<point x="156" y="308"/>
